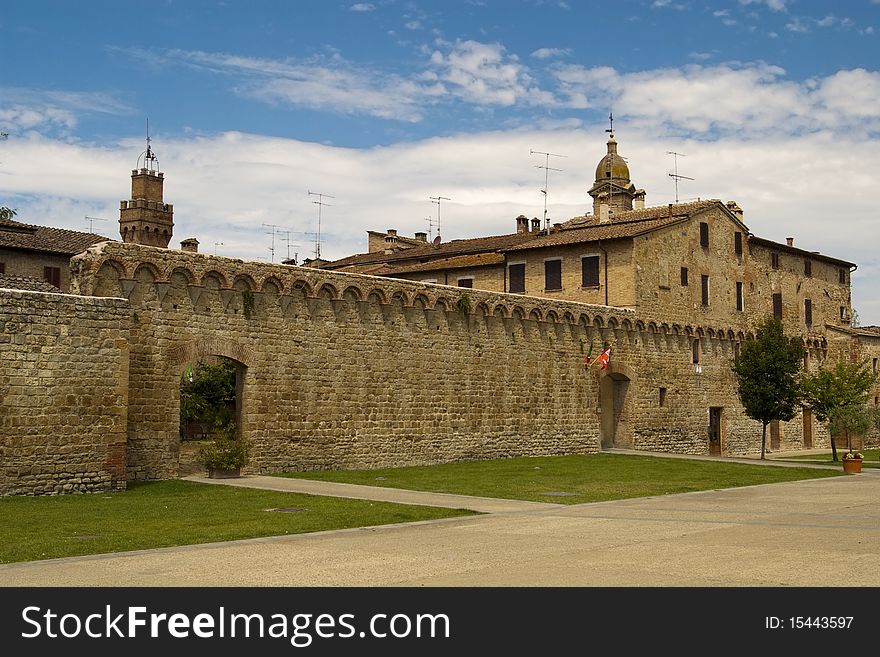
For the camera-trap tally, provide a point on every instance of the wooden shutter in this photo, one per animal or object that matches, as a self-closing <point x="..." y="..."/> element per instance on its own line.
<point x="518" y="278"/>
<point x="553" y="274"/>
<point x="590" y="271"/>
<point x="777" y="305"/>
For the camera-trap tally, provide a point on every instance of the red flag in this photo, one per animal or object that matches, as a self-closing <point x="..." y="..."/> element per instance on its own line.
<point x="604" y="358"/>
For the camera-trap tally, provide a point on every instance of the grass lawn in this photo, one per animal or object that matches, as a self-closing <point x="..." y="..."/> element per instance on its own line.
<point x="166" y="513"/>
<point x="579" y="478"/>
<point x="871" y="460"/>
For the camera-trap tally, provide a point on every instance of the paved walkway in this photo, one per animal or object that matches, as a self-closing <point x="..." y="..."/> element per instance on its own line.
<point x="804" y="533"/>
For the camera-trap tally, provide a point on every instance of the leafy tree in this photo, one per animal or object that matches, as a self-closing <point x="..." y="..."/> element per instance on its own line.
<point x="7" y="213"/>
<point x="766" y="373"/>
<point x="828" y="391"/>
<point x="852" y="421"/>
<point x="207" y="396"/>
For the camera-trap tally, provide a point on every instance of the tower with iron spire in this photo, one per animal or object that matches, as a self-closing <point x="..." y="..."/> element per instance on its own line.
<point x="612" y="186"/>
<point x="146" y="218"/>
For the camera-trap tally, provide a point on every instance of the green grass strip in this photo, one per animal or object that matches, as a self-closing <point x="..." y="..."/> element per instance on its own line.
<point x="871" y="460"/>
<point x="579" y="478"/>
<point x="168" y="513"/>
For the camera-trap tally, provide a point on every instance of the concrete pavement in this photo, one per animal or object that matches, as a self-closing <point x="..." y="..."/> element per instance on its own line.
<point x="804" y="533"/>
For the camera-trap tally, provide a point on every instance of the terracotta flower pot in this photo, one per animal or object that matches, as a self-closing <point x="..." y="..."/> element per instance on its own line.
<point x="852" y="466"/>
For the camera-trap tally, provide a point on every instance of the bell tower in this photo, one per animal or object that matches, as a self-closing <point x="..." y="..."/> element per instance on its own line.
<point x="146" y="218"/>
<point x="612" y="187"/>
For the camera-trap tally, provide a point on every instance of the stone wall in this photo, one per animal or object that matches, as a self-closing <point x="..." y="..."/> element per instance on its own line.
<point x="63" y="393"/>
<point x="349" y="371"/>
<point x="32" y="265"/>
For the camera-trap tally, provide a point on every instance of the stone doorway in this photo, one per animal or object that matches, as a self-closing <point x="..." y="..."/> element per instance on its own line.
<point x="715" y="415"/>
<point x="615" y="430"/>
<point x="211" y="395"/>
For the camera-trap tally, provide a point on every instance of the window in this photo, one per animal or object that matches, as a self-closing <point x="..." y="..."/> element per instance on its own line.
<point x="704" y="234"/>
<point x="590" y="271"/>
<point x="808" y="267"/>
<point x="553" y="274"/>
<point x="695" y="351"/>
<point x="841" y="276"/>
<point x="808" y="312"/>
<point x="739" y="296"/>
<point x="465" y="282"/>
<point x="777" y="305"/>
<point x="738" y="243"/>
<point x="517" y="278"/>
<point x="843" y="314"/>
<point x="52" y="275"/>
<point x="663" y="396"/>
<point x="684" y="276"/>
<point x="704" y="289"/>
<point x="774" y="260"/>
<point x="2" y="267"/>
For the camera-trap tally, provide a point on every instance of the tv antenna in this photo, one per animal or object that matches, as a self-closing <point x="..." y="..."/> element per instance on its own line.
<point x="320" y="203"/>
<point x="286" y="239"/>
<point x="92" y="221"/>
<point x="547" y="169"/>
<point x="430" y="221"/>
<point x="4" y="135"/>
<point x="272" y="233"/>
<point x="675" y="175"/>
<point x="437" y="200"/>
<point x="216" y="244"/>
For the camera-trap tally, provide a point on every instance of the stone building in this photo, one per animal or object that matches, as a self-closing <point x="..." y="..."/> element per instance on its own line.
<point x="38" y="257"/>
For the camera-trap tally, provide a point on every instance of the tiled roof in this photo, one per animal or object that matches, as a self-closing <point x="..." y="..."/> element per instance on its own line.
<point x="624" y="224"/>
<point x="815" y="255"/>
<point x="8" y="282"/>
<point x="455" y="262"/>
<point x="16" y="235"/>
<point x="431" y="252"/>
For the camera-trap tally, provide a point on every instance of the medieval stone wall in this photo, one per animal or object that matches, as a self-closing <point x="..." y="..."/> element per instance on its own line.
<point x="345" y="370"/>
<point x="63" y="393"/>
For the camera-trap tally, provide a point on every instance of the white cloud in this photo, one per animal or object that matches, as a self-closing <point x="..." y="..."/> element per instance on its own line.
<point x="775" y="5"/>
<point x="362" y="6"/>
<point x="547" y="53"/>
<point x="489" y="177"/>
<point x="30" y="109"/>
<point x="413" y="25"/>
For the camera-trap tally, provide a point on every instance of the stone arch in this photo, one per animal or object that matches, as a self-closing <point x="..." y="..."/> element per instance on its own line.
<point x="189" y="352"/>
<point x="353" y="293"/>
<point x="653" y="328"/>
<point x="613" y="323"/>
<point x="377" y="295"/>
<point x="599" y="322"/>
<point x="535" y="315"/>
<point x="272" y="285"/>
<point x="551" y="316"/>
<point x="107" y="281"/>
<point x="518" y="312"/>
<point x="731" y="335"/>
<point x="147" y="271"/>
<point x="640" y="326"/>
<point x="327" y="291"/>
<point x="442" y="304"/>
<point x="627" y="324"/>
<point x="616" y="397"/>
<point x="184" y="274"/>
<point x="244" y="282"/>
<point x="401" y="298"/>
<point x="421" y="301"/>
<point x="217" y="277"/>
<point x="500" y="310"/>
<point x="482" y="308"/>
<point x="568" y="317"/>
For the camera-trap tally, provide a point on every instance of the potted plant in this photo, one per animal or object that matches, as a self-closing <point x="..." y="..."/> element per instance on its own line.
<point x="852" y="462"/>
<point x="225" y="455"/>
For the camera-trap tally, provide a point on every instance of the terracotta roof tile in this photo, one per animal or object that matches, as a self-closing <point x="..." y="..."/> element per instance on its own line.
<point x="455" y="262"/>
<point x="26" y="283"/>
<point x="16" y="235"/>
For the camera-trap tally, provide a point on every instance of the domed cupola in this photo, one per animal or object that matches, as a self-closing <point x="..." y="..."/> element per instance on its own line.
<point x="612" y="186"/>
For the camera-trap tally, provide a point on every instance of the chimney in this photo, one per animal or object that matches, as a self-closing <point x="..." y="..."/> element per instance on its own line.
<point x="639" y="200"/>
<point x="190" y="244"/>
<point x="391" y="236"/>
<point x="735" y="209"/>
<point x="422" y="237"/>
<point x="557" y="227"/>
<point x="536" y="224"/>
<point x="789" y="241"/>
<point x="522" y="224"/>
<point x="604" y="213"/>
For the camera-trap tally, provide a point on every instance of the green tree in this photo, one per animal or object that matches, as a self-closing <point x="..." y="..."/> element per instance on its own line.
<point x="207" y="396"/>
<point x="828" y="391"/>
<point x="766" y="373"/>
<point x="851" y="421"/>
<point x="6" y="213"/>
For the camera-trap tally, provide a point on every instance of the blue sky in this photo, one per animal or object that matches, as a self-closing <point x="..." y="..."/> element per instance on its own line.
<point x="775" y="104"/>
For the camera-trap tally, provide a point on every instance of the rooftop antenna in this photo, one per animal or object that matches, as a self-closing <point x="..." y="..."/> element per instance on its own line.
<point x="151" y="162"/>
<point x="216" y="244"/>
<point x="320" y="203"/>
<point x="92" y="221"/>
<point x="547" y="169"/>
<point x="272" y="248"/>
<point x="437" y="200"/>
<point x="430" y="221"/>
<point x="286" y="238"/>
<point x="675" y="175"/>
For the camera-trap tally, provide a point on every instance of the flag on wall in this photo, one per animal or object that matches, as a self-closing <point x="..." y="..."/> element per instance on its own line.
<point x="604" y="358"/>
